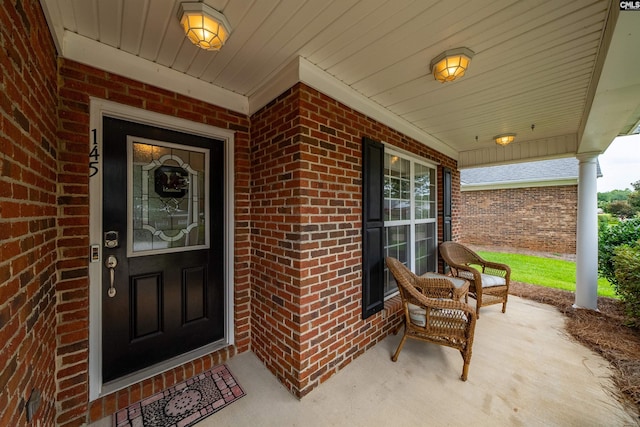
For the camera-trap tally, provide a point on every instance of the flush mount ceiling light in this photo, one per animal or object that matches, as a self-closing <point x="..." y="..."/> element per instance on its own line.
<point x="505" y="138"/>
<point x="204" y="26"/>
<point x="451" y="64"/>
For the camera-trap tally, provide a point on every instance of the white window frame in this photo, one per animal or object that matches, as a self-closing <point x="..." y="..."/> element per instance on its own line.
<point x="412" y="222"/>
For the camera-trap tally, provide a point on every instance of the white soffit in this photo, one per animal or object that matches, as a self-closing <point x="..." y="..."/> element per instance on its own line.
<point x="617" y="95"/>
<point x="86" y="51"/>
<point x="519" y="184"/>
<point x="546" y="148"/>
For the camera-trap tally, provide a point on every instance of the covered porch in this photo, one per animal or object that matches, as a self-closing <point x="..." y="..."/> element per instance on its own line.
<point x="525" y="370"/>
<point x="291" y="97"/>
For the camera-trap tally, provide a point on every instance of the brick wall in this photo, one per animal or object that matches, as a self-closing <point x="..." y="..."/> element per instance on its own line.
<point x="28" y="169"/>
<point x="297" y="232"/>
<point x="306" y="235"/>
<point x="76" y="83"/>
<point x="538" y="218"/>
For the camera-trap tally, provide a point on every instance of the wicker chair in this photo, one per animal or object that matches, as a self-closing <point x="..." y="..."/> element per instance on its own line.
<point x="429" y="314"/>
<point x="489" y="281"/>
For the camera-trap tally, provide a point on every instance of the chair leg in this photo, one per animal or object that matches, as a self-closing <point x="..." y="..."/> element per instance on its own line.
<point x="397" y="328"/>
<point x="397" y="353"/>
<point x="465" y="371"/>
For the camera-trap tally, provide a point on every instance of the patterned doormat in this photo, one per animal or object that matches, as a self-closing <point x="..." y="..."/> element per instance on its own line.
<point x="183" y="404"/>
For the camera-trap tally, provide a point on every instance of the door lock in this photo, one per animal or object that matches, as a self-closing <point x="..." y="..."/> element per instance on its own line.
<point x="111" y="263"/>
<point x="111" y="239"/>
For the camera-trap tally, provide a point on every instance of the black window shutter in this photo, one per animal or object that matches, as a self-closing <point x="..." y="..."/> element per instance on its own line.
<point x="446" y="201"/>
<point x="372" y="227"/>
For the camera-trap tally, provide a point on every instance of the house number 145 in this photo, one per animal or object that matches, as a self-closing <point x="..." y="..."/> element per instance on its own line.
<point x="93" y="154"/>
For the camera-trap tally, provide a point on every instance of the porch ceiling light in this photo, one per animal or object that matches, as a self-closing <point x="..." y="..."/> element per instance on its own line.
<point x="505" y="138"/>
<point x="451" y="64"/>
<point x="204" y="26"/>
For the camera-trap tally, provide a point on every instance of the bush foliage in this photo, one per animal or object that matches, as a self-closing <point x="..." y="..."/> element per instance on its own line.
<point x="627" y="272"/>
<point x="619" y="262"/>
<point x="610" y="237"/>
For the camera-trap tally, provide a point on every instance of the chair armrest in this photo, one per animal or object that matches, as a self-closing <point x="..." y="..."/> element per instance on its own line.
<point x="496" y="269"/>
<point x="446" y="304"/>
<point x="477" y="278"/>
<point x="434" y="287"/>
<point x="440" y="303"/>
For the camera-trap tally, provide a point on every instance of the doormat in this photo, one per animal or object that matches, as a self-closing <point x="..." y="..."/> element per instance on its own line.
<point x="183" y="404"/>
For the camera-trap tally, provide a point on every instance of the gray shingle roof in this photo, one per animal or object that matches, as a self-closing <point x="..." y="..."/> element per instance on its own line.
<point x="565" y="168"/>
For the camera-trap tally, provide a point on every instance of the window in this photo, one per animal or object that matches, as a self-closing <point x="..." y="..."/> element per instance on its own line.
<point x="410" y="214"/>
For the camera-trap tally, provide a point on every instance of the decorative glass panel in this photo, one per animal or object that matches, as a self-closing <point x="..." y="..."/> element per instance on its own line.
<point x="168" y="197"/>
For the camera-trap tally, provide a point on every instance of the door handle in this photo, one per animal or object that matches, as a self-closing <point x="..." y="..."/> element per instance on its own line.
<point x="111" y="263"/>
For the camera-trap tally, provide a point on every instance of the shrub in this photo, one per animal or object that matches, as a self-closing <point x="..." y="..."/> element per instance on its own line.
<point x="609" y="238"/>
<point x="621" y="209"/>
<point x="607" y="219"/>
<point x="627" y="271"/>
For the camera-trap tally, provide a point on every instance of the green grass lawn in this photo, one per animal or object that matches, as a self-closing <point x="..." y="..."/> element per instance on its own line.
<point x="552" y="273"/>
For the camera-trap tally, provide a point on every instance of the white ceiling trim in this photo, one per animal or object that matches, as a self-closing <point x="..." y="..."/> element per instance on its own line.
<point x="320" y="80"/>
<point x="89" y="52"/>
<point x="519" y="184"/>
<point x="301" y="70"/>
<point x="527" y="151"/>
<point x="54" y="21"/>
<point x="616" y="96"/>
<point x="283" y="80"/>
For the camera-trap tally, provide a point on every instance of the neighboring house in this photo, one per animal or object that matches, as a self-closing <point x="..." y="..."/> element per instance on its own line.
<point x="531" y="205"/>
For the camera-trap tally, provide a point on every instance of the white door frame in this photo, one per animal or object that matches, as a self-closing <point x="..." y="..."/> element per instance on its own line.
<point x="100" y="108"/>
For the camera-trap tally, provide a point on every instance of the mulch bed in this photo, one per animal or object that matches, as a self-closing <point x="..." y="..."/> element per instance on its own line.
<point x="603" y="332"/>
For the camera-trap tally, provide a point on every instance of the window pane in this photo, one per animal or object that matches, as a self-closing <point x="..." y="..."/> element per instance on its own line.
<point x="396" y="246"/>
<point x="425" y="248"/>
<point x="397" y="185"/>
<point x="410" y="197"/>
<point x="397" y="167"/>
<point x="424" y="192"/>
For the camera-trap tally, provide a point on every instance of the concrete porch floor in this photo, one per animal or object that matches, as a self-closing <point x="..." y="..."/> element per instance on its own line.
<point x="525" y="371"/>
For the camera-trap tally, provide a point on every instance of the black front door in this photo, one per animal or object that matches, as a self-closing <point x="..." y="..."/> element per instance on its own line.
<point x="163" y="241"/>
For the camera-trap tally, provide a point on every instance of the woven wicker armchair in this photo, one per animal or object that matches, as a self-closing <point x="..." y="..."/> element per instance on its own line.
<point x="489" y="281"/>
<point x="429" y="314"/>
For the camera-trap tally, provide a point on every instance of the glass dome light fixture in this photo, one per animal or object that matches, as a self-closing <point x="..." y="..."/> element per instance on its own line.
<point x="451" y="64"/>
<point x="203" y="25"/>
<point x="505" y="138"/>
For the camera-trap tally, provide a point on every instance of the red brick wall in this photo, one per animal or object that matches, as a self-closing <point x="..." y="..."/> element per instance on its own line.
<point x="297" y="230"/>
<point x="28" y="169"/>
<point x="538" y="218"/>
<point x="306" y="235"/>
<point x="76" y="83"/>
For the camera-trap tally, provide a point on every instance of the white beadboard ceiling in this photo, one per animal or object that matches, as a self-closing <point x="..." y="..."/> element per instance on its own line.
<point x="571" y="69"/>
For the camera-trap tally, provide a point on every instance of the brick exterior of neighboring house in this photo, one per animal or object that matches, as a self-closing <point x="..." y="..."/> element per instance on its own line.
<point x="298" y="241"/>
<point x="524" y="206"/>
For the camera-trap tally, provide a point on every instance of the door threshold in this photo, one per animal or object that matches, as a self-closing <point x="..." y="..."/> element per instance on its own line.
<point x="151" y="371"/>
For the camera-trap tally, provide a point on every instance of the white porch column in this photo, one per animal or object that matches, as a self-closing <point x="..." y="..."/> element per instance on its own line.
<point x="587" y="234"/>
